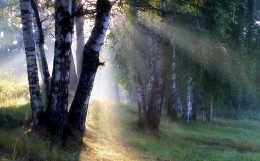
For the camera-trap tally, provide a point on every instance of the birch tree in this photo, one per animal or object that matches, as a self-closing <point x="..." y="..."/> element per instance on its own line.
<point x="155" y="104"/>
<point x="79" y="107"/>
<point x="40" y="42"/>
<point x="58" y="108"/>
<point x="32" y="71"/>
<point x="188" y="114"/>
<point x="173" y="99"/>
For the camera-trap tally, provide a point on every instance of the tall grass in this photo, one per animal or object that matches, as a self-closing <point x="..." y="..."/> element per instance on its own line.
<point x="17" y="140"/>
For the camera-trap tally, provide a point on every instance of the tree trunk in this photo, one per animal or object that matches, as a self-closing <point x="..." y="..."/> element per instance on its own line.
<point x="139" y="86"/>
<point x="34" y="88"/>
<point x="173" y="100"/>
<point x="210" y="109"/>
<point x="73" y="76"/>
<point x="140" y="101"/>
<point x="39" y="41"/>
<point x="79" y="107"/>
<point x="80" y="42"/>
<point x="155" y="106"/>
<point x="188" y="114"/>
<point x="61" y="66"/>
<point x="194" y="105"/>
<point x="73" y="70"/>
<point x="194" y="111"/>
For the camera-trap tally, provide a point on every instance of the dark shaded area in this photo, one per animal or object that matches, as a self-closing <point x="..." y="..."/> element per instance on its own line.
<point x="27" y="144"/>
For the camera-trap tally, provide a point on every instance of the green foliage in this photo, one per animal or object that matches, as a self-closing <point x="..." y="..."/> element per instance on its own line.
<point x="10" y="11"/>
<point x="212" y="44"/>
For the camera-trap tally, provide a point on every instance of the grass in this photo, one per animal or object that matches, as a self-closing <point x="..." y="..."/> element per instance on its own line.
<point x="112" y="134"/>
<point x="221" y="140"/>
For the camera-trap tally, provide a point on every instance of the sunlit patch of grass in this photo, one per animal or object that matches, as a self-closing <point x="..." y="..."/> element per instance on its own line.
<point x="13" y="93"/>
<point x="104" y="133"/>
<point x="14" y="98"/>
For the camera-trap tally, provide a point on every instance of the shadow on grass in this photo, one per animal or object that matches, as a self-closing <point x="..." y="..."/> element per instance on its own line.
<point x="14" y="117"/>
<point x="19" y="142"/>
<point x="225" y="143"/>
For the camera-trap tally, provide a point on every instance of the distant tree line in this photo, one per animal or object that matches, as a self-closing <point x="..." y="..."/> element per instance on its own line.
<point x="189" y="57"/>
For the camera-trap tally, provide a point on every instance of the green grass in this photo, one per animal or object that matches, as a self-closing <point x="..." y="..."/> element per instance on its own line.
<point x="221" y="140"/>
<point x="112" y="134"/>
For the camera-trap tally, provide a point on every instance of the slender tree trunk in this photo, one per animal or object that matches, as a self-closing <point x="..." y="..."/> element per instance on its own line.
<point x="140" y="87"/>
<point x="194" y="111"/>
<point x="80" y="42"/>
<point x="34" y="88"/>
<point x="194" y="104"/>
<point x="147" y="71"/>
<point x="73" y="76"/>
<point x="39" y="41"/>
<point x="173" y="102"/>
<point x="140" y="101"/>
<point x="79" y="107"/>
<point x="188" y="114"/>
<point x="61" y="66"/>
<point x="210" y="109"/>
<point x="73" y="70"/>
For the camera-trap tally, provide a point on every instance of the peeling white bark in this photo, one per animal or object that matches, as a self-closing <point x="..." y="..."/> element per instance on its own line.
<point x="30" y="53"/>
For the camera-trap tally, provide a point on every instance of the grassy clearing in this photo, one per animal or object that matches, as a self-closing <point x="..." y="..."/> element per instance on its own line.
<point x="221" y="140"/>
<point x="112" y="134"/>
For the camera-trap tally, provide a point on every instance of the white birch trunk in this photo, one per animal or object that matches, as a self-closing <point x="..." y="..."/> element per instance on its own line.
<point x="189" y="101"/>
<point x="155" y="105"/>
<point x="39" y="41"/>
<point x="173" y="103"/>
<point x="140" y="101"/>
<point x="30" y="53"/>
<point x="140" y="86"/>
<point x="79" y="107"/>
<point x="61" y="65"/>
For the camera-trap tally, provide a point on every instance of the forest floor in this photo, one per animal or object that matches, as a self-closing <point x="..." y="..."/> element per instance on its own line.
<point x="112" y="134"/>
